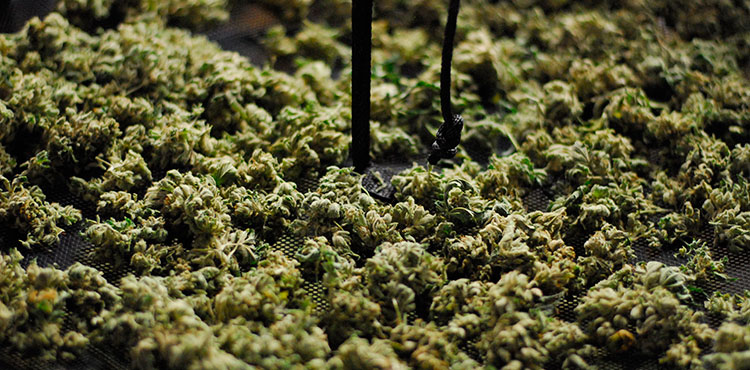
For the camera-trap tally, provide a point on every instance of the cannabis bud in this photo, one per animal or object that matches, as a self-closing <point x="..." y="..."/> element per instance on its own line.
<point x="447" y="139"/>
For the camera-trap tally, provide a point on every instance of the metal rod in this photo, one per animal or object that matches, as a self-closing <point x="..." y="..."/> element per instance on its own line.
<point x="361" y="52"/>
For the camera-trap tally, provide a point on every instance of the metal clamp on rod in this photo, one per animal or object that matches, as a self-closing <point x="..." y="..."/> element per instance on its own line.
<point x="361" y="51"/>
<point x="449" y="133"/>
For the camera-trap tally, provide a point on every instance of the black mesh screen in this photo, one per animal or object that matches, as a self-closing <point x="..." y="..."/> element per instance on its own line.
<point x="736" y="267"/>
<point x="377" y="180"/>
<point x="243" y="30"/>
<point x="15" y="13"/>
<point x="241" y="34"/>
<point x="72" y="248"/>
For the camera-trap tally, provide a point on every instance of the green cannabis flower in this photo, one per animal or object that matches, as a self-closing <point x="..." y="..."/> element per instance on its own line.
<point x="34" y="300"/>
<point x="594" y="130"/>
<point x="27" y="210"/>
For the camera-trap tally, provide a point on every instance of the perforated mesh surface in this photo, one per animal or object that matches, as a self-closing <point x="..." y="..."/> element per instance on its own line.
<point x="377" y="180"/>
<point x="241" y="34"/>
<point x="316" y="292"/>
<point x="736" y="267"/>
<point x="74" y="248"/>
<point x="15" y="13"/>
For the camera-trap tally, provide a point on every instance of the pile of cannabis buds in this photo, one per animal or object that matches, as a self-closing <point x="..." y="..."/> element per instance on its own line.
<point x="633" y="114"/>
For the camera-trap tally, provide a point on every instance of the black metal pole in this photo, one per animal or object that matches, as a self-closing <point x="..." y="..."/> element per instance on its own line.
<point x="445" y="67"/>
<point x="361" y="50"/>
